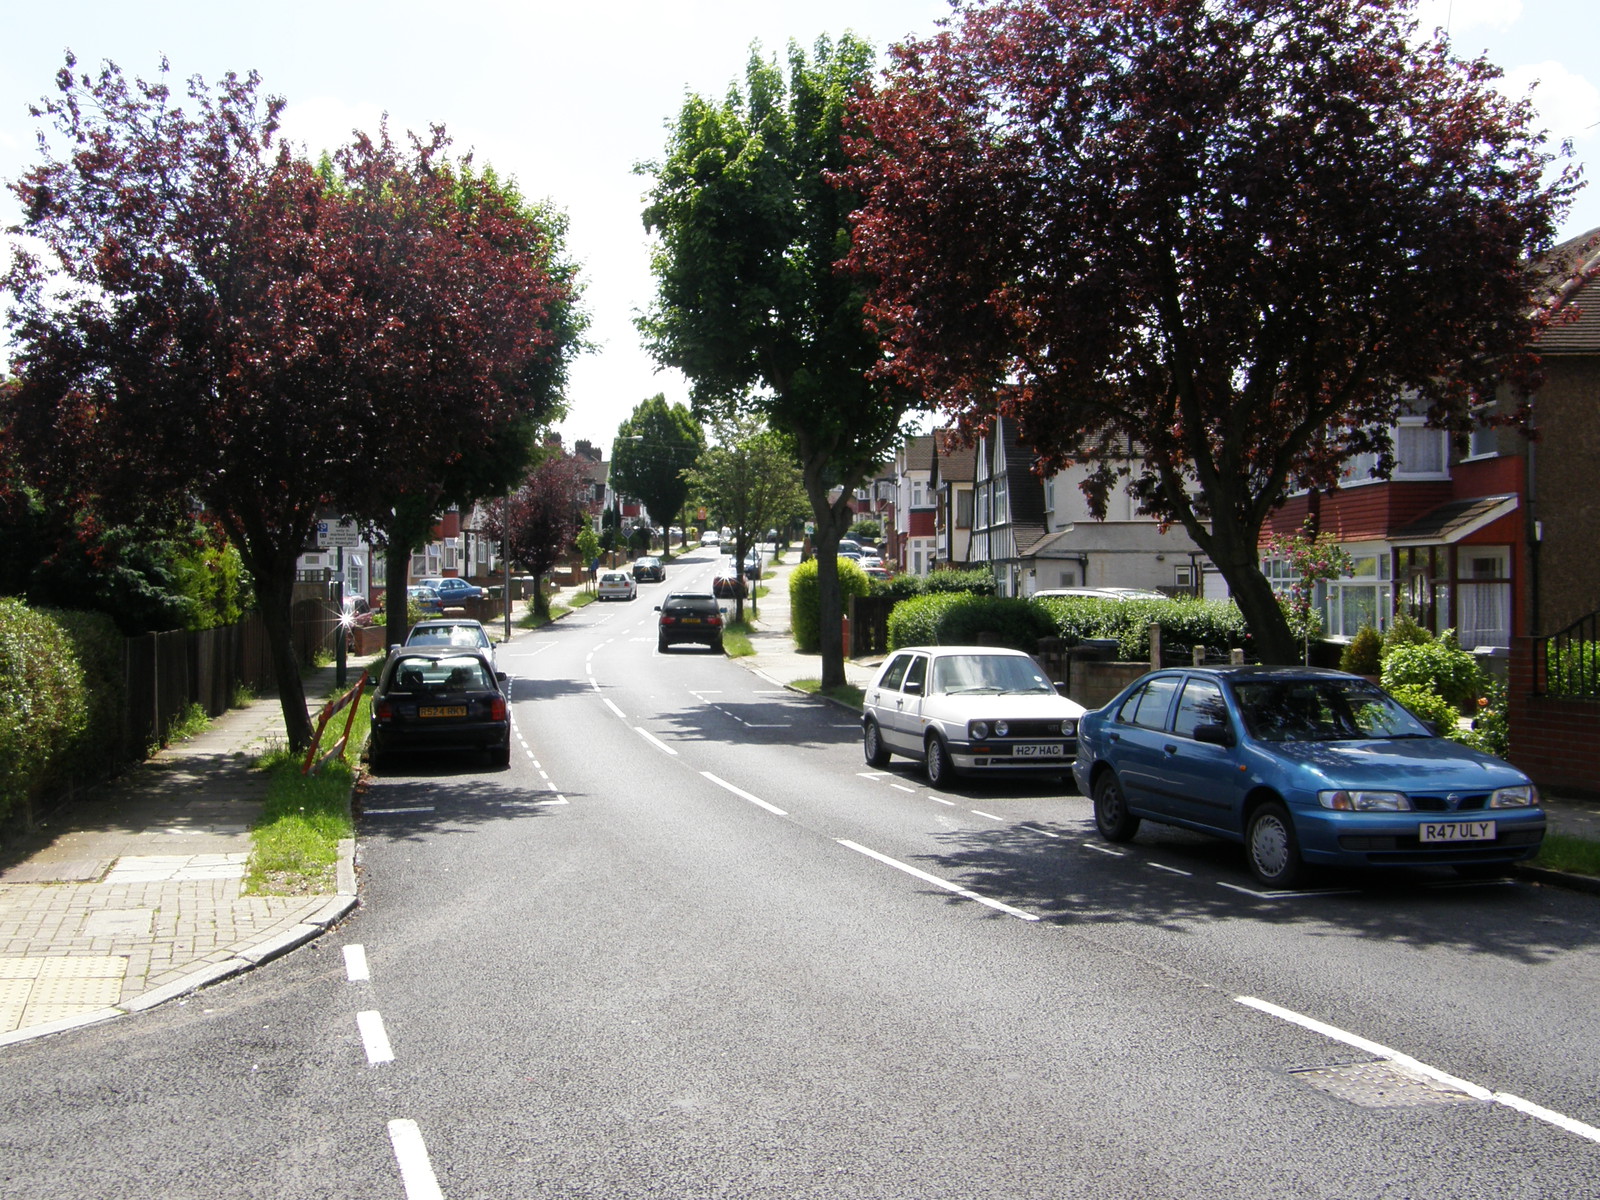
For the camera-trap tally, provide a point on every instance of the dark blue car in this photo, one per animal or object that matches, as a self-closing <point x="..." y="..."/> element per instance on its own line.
<point x="1302" y="766"/>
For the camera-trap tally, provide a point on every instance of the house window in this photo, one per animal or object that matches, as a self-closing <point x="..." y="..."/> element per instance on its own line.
<point x="1050" y="494"/>
<point x="919" y="493"/>
<point x="1483" y="596"/>
<point x="964" y="510"/>
<point x="1184" y="578"/>
<point x="1364" y="597"/>
<point x="1419" y="453"/>
<point x="1483" y="442"/>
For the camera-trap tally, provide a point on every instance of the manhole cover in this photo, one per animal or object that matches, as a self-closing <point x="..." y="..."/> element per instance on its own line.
<point x="1379" y="1084"/>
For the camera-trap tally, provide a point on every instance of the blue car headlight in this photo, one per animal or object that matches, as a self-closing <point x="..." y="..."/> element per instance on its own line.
<point x="1524" y="795"/>
<point x="1351" y="800"/>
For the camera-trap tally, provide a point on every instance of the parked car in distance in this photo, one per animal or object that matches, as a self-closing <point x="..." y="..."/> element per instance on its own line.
<point x="961" y="709"/>
<point x="728" y="583"/>
<point x="711" y="538"/>
<point x="878" y="572"/>
<point x="689" y="617"/>
<point x="1302" y="766"/>
<point x="437" y="698"/>
<point x="650" y="568"/>
<point x="753" y="564"/>
<point x="452" y="589"/>
<point x="426" y="599"/>
<point x="616" y="585"/>
<point x="1105" y="593"/>
<point x="452" y="631"/>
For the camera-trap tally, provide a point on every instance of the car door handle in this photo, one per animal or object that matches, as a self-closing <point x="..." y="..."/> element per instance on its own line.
<point x="1170" y="748"/>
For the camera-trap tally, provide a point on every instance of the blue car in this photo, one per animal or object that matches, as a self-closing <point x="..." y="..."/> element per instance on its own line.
<point x="1303" y="766"/>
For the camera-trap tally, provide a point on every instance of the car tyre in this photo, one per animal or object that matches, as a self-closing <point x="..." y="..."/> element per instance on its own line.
<point x="716" y="646"/>
<point x="1111" y="815"/>
<point x="936" y="764"/>
<point x="500" y="756"/>
<point x="877" y="754"/>
<point x="1272" y="848"/>
<point x="661" y="645"/>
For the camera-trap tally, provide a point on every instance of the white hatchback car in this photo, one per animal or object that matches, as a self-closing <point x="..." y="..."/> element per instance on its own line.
<point x="975" y="709"/>
<point x="617" y="585"/>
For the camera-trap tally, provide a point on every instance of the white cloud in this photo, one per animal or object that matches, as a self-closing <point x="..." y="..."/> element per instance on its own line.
<point x="1568" y="104"/>
<point x="1459" y="16"/>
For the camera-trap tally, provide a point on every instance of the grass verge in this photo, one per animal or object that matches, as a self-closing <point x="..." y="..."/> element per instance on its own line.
<point x="736" y="639"/>
<point x="295" y="843"/>
<point x="579" y="599"/>
<point x="848" y="694"/>
<point x="1566" y="852"/>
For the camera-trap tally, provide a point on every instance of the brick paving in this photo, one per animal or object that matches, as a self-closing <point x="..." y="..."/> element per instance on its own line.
<point x="134" y="893"/>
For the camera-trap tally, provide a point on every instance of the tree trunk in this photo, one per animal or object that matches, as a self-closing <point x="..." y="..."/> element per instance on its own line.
<point x="831" y="524"/>
<point x="276" y="598"/>
<point x="396" y="608"/>
<point x="1274" y="642"/>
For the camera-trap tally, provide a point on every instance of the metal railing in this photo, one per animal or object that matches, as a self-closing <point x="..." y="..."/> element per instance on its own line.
<point x="1568" y="663"/>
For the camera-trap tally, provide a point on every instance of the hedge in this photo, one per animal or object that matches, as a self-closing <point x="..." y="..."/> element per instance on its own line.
<point x="805" y="607"/>
<point x="44" y="705"/>
<point x="1185" y="623"/>
<point x="958" y="618"/>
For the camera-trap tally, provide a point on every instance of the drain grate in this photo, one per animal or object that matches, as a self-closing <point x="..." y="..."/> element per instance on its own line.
<point x="1379" y="1083"/>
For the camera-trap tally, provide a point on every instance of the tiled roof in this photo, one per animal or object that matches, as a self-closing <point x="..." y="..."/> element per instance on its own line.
<point x="918" y="454"/>
<point x="1576" y="329"/>
<point x="1453" y="521"/>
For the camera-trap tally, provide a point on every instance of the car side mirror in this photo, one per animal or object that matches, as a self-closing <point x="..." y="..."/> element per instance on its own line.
<point x="502" y="677"/>
<point x="1214" y="734"/>
<point x="658" y="608"/>
<point x="912" y="689"/>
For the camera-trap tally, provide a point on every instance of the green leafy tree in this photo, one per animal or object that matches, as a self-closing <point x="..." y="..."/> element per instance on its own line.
<point x="750" y="479"/>
<point x="1314" y="556"/>
<point x="654" y="447"/>
<point x="749" y="302"/>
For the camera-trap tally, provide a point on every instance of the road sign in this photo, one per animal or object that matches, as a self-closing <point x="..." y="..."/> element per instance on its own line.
<point x="338" y="533"/>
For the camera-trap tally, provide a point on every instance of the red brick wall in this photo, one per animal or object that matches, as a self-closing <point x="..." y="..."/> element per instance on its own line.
<point x="1556" y="741"/>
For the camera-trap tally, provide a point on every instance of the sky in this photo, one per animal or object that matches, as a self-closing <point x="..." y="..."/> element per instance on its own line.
<point x="568" y="95"/>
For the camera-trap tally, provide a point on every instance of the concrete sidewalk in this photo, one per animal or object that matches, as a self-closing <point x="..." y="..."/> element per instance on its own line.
<point x="775" y="655"/>
<point x="131" y="894"/>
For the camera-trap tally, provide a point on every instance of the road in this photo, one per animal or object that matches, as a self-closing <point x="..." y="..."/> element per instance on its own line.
<point x="690" y="946"/>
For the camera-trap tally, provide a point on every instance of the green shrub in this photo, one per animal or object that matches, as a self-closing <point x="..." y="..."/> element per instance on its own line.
<point x="44" y="706"/>
<point x="1440" y="665"/>
<point x="805" y="613"/>
<point x="1427" y="704"/>
<point x="101" y="652"/>
<point x="1185" y="623"/>
<point x="867" y="530"/>
<point x="916" y="621"/>
<point x="1493" y="722"/>
<point x="1574" y="670"/>
<point x="899" y="587"/>
<point x="1403" y="631"/>
<point x="1364" y="654"/>
<point x="979" y="581"/>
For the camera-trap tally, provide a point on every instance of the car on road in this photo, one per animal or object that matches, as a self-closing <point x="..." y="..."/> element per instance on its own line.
<point x="710" y="538"/>
<point x="439" y="698"/>
<point x="649" y="568"/>
<point x="1104" y="593"/>
<point x="753" y="564"/>
<point x="1303" y="767"/>
<point x="728" y="584"/>
<point x="968" y="709"/>
<point x="616" y="585"/>
<point x="452" y="631"/>
<point x="689" y="617"/>
<point x="453" y="590"/>
<point x="426" y="599"/>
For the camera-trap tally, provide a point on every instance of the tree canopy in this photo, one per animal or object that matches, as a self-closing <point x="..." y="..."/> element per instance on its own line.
<point x="545" y="514"/>
<point x="654" y="447"/>
<point x="214" y="317"/>
<point x="750" y="303"/>
<point x="1234" y="234"/>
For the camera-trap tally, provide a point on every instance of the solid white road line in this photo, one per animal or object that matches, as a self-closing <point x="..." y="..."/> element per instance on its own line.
<point x="373" y="1037"/>
<point x="1234" y="887"/>
<point x="382" y="811"/>
<point x="1407" y="1063"/>
<point x="936" y="881"/>
<point x="1102" y="850"/>
<point x="654" y="740"/>
<point x="416" y="1172"/>
<point x="978" y="812"/>
<point x="355" y="963"/>
<point x="606" y="700"/>
<point x="744" y="795"/>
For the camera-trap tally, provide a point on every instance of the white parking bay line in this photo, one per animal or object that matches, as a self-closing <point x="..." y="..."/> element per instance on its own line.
<point x="900" y="787"/>
<point x="1102" y="850"/>
<point x="937" y="882"/>
<point x="355" y="963"/>
<point x="1406" y="1063"/>
<point x="744" y="795"/>
<point x="416" y="1172"/>
<point x="654" y="740"/>
<point x="374" y="1038"/>
<point x="1173" y="870"/>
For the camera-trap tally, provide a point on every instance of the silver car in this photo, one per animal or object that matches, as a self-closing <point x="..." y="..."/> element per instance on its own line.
<point x="961" y="709"/>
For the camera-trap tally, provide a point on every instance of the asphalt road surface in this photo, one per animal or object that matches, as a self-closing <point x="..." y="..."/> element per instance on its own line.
<point x="689" y="945"/>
